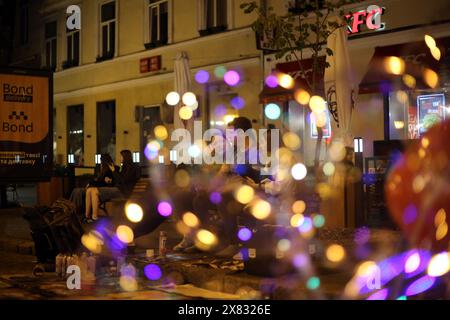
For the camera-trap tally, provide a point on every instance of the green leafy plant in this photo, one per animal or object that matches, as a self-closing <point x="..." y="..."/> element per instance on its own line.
<point x="304" y="30"/>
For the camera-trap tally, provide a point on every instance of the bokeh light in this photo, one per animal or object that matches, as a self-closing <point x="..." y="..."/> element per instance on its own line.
<point x="429" y="40"/>
<point x="409" y="81"/>
<point x="206" y="237"/>
<point x="189" y="98"/>
<point x="185" y="113"/>
<point x="431" y="78"/>
<point x="220" y="71"/>
<point x="420" y="285"/>
<point x="306" y="226"/>
<point x="317" y="104"/>
<point x="182" y="178"/>
<point x="284" y="245"/>
<point x="379" y="295"/>
<point x="245" y="234"/>
<point x="302" y="97"/>
<point x="291" y="140"/>
<point x="172" y="98"/>
<point x="134" y="212"/>
<point x="272" y="81"/>
<point x="272" y="111"/>
<point x="318" y="221"/>
<point x="261" y="209"/>
<point x="164" y="209"/>
<point x="328" y="169"/>
<point x="244" y="194"/>
<point x="202" y="77"/>
<point x="232" y="78"/>
<point x="299" y="171"/>
<point x="286" y="81"/>
<point x="335" y="253"/>
<point x="151" y="151"/>
<point x="191" y="220"/>
<point x="436" y="53"/>
<point x="412" y="262"/>
<point x="128" y="283"/>
<point x="394" y="65"/>
<point x="237" y="103"/>
<point x="215" y="197"/>
<point x="297" y="220"/>
<point x="439" y="264"/>
<point x="161" y="132"/>
<point x="313" y="283"/>
<point x="298" y="207"/>
<point x="152" y="272"/>
<point x="125" y="234"/>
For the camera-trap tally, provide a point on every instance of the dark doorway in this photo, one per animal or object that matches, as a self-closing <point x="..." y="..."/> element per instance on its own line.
<point x="150" y="117"/>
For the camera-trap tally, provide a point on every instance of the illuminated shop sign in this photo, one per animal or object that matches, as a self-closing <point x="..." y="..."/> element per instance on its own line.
<point x="370" y="17"/>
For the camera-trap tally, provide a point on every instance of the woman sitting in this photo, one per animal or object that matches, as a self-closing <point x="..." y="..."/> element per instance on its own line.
<point x="124" y="180"/>
<point x="104" y="180"/>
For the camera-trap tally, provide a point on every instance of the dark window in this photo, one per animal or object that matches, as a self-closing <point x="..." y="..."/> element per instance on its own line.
<point x="73" y="49"/>
<point x="215" y="19"/>
<point x="158" y="22"/>
<point x="24" y="22"/>
<point x="50" y="45"/>
<point x="106" y="128"/>
<point x="300" y="6"/>
<point x="108" y="30"/>
<point x="75" y="129"/>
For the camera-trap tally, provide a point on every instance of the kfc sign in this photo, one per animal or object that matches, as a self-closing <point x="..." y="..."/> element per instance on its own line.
<point x="370" y="17"/>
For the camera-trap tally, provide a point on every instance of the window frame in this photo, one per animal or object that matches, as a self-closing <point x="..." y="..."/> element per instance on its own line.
<point x="202" y="18"/>
<point x="49" y="41"/>
<point x="102" y="56"/>
<point x="68" y="133"/>
<point x="147" y="27"/>
<point x="71" y="62"/>
<point x="24" y="24"/>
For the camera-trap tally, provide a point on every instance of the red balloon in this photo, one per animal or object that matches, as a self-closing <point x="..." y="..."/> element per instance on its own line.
<point x="418" y="190"/>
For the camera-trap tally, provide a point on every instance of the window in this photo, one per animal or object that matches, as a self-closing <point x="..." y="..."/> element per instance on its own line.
<point x="50" y="45"/>
<point x="300" y="6"/>
<point x="75" y="132"/>
<point x="214" y="16"/>
<point x="108" y="31"/>
<point x="73" y="49"/>
<point x="106" y="128"/>
<point x="158" y="14"/>
<point x="23" y="22"/>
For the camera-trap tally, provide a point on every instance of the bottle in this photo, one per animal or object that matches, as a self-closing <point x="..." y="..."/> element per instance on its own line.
<point x="58" y="265"/>
<point x="162" y="243"/>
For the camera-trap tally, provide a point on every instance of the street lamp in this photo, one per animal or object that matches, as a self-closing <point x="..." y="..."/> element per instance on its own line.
<point x="359" y="187"/>
<point x="173" y="155"/>
<point x="136" y="157"/>
<point x="97" y="158"/>
<point x="358" y="145"/>
<point x="70" y="158"/>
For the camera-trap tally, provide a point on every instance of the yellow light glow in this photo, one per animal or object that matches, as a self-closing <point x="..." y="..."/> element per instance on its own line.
<point x="291" y="140"/>
<point x="286" y="81"/>
<point x="317" y="104"/>
<point x="441" y="231"/>
<point x="244" y="194"/>
<point x="206" y="237"/>
<point x="161" y="132"/>
<point x="402" y="96"/>
<point x="366" y="269"/>
<point x="128" y="283"/>
<point x="125" y="234"/>
<point x="335" y="253"/>
<point x="284" y="245"/>
<point x="302" y="97"/>
<point x="399" y="124"/>
<point x="436" y="53"/>
<point x="228" y="118"/>
<point x="431" y="78"/>
<point x="299" y="171"/>
<point x="297" y="220"/>
<point x="425" y="142"/>
<point x="298" y="207"/>
<point x="395" y="65"/>
<point x="409" y="81"/>
<point x="134" y="212"/>
<point x="440" y="217"/>
<point x="321" y="119"/>
<point x="329" y="169"/>
<point x="337" y="151"/>
<point x="261" y="209"/>
<point x="439" y="264"/>
<point x="92" y="242"/>
<point x="185" y="113"/>
<point x="191" y="220"/>
<point x="189" y="99"/>
<point x="429" y="40"/>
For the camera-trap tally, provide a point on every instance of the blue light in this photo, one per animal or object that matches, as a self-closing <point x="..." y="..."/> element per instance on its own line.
<point x="272" y="111"/>
<point x="420" y="285"/>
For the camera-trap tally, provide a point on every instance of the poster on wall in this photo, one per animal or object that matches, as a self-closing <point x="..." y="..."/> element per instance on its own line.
<point x="26" y="125"/>
<point x="431" y="109"/>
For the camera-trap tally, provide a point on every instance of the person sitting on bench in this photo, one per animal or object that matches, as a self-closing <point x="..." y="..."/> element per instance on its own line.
<point x="125" y="179"/>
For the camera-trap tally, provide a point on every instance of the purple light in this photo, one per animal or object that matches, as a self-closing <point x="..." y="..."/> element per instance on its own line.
<point x="153" y="272"/>
<point x="300" y="261"/>
<point x="220" y="110"/>
<point x="379" y="295"/>
<point x="215" y="197"/>
<point x="272" y="81"/>
<point x="164" y="209"/>
<point x="420" y="285"/>
<point x="362" y="235"/>
<point x="231" y="78"/>
<point x="410" y="214"/>
<point x="424" y="259"/>
<point x="128" y="271"/>
<point x="202" y="76"/>
<point x="245" y="234"/>
<point x="237" y="103"/>
<point x="151" y="151"/>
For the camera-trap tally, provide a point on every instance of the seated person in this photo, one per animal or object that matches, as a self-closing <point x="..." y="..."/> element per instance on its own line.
<point x="124" y="181"/>
<point x="104" y="178"/>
